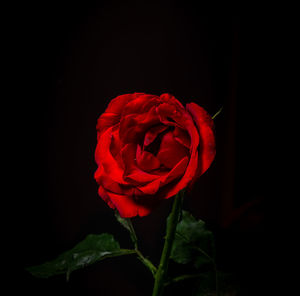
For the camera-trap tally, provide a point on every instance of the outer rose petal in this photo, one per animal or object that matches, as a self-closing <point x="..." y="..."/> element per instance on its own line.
<point x="127" y="206"/>
<point x="112" y="114"/>
<point x="133" y="126"/>
<point x="105" y="121"/>
<point x="171" y="100"/>
<point x="141" y="104"/>
<point x="205" y="125"/>
<point x="105" y="159"/>
<point x="105" y="197"/>
<point x="167" y="113"/>
<point x="117" y="104"/>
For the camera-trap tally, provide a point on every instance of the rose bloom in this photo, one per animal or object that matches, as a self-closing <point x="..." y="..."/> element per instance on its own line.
<point x="148" y="149"/>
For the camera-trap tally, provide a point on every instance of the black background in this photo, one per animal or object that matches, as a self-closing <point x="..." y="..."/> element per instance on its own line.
<point x="72" y="60"/>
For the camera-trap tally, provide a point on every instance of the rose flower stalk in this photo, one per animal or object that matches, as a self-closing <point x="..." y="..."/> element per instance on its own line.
<point x="149" y="148"/>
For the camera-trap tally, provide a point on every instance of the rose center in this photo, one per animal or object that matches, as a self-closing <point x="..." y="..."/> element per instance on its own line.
<point x="155" y="145"/>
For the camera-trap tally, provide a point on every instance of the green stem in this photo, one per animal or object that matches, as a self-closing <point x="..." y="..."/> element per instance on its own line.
<point x="164" y="260"/>
<point x="132" y="233"/>
<point x="141" y="257"/>
<point x="146" y="262"/>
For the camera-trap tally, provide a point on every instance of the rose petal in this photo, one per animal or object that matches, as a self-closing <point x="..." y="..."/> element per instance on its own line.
<point x="110" y="185"/>
<point x="105" y="197"/>
<point x="205" y="125"/>
<point x="176" y="172"/>
<point x="149" y="189"/>
<point x="104" y="158"/>
<point x="132" y="173"/>
<point x="184" y="181"/>
<point x="112" y="114"/>
<point x="125" y="205"/>
<point x="182" y="137"/>
<point x="152" y="133"/>
<point x="166" y="178"/>
<point x="133" y="127"/>
<point x="170" y="151"/>
<point x="146" y="161"/>
<point x="171" y="100"/>
<point x="192" y="166"/>
<point x="105" y="121"/>
<point x="128" y="206"/>
<point x="166" y="114"/>
<point x="98" y="173"/>
<point x="117" y="104"/>
<point x="142" y="104"/>
<point x="116" y="144"/>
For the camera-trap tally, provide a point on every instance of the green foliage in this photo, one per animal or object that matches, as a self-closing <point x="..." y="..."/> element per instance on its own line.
<point x="193" y="242"/>
<point x="93" y="248"/>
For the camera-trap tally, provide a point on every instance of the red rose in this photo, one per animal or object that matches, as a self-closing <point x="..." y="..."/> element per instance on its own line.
<point x="149" y="148"/>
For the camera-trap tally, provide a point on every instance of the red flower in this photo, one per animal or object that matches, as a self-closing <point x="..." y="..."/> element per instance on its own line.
<point x="149" y="148"/>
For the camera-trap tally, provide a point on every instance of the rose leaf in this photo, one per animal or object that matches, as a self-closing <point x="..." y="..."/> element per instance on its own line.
<point x="94" y="248"/>
<point x="193" y="242"/>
